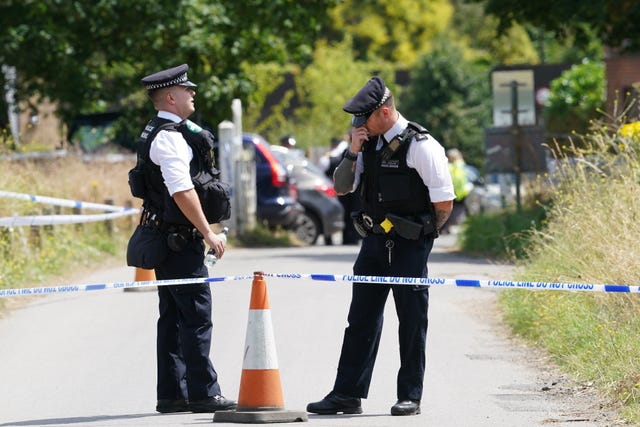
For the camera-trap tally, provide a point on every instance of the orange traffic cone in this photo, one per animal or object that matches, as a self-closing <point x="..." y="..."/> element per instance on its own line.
<point x="260" y="397"/>
<point x="143" y="275"/>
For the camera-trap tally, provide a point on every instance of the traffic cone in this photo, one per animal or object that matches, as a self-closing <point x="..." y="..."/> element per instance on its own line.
<point x="260" y="397"/>
<point x="143" y="275"/>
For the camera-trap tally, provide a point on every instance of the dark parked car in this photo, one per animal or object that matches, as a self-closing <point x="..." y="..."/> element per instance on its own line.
<point x="323" y="213"/>
<point x="277" y="204"/>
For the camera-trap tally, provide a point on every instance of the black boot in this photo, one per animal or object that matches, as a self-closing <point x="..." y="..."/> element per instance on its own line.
<point x="334" y="403"/>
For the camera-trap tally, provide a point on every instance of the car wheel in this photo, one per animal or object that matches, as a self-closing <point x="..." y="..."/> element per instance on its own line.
<point x="307" y="229"/>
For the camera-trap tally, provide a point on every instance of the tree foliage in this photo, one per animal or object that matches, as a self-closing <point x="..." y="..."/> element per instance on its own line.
<point x="308" y="101"/>
<point x="615" y="22"/>
<point x="89" y="55"/>
<point x="326" y="85"/>
<point x="292" y="64"/>
<point x="478" y="37"/>
<point x="397" y="32"/>
<point x="450" y="97"/>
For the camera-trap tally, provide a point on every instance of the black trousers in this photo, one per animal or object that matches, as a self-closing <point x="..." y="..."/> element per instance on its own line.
<point x="366" y="315"/>
<point x="184" y="328"/>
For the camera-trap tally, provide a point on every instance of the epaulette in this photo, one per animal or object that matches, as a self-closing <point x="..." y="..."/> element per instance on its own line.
<point x="411" y="131"/>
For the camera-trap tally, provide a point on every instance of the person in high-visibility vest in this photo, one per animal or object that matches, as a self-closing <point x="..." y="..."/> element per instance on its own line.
<point x="462" y="187"/>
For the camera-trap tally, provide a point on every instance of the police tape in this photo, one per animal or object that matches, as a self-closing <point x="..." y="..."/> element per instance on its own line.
<point x="381" y="280"/>
<point x="69" y="289"/>
<point x="64" y="202"/>
<point x="39" y="220"/>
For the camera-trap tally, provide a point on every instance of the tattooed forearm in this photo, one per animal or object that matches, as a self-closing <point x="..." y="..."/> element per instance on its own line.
<point x="344" y="176"/>
<point x="442" y="211"/>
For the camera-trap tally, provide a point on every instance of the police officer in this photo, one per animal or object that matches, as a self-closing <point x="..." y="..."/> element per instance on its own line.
<point x="177" y="151"/>
<point x="406" y="192"/>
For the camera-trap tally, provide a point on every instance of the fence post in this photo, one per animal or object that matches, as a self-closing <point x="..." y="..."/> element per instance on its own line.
<point x="109" y="224"/>
<point x="78" y="211"/>
<point x="34" y="234"/>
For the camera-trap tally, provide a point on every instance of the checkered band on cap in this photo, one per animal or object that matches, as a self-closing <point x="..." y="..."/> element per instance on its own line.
<point x="386" y="95"/>
<point x="176" y="81"/>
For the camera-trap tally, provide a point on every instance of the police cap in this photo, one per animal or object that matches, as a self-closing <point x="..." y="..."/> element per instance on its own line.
<point x="368" y="99"/>
<point x="176" y="76"/>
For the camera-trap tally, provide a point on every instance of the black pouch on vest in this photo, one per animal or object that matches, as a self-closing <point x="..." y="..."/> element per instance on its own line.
<point x="147" y="247"/>
<point x="136" y="183"/>
<point x="215" y="197"/>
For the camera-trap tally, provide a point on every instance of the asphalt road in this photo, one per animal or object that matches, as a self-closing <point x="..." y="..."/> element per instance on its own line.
<point x="88" y="359"/>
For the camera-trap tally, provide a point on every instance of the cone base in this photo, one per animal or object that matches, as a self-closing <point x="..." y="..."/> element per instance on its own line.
<point x="259" y="417"/>
<point x="141" y="289"/>
<point x="143" y="275"/>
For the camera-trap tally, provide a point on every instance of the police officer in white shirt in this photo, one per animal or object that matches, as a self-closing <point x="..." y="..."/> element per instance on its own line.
<point x="179" y="151"/>
<point x="402" y="177"/>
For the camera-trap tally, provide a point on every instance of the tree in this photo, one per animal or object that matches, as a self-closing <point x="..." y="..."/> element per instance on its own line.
<point x="615" y="22"/>
<point x="477" y="35"/>
<point x="450" y="97"/>
<point x="310" y="99"/>
<point x="89" y="55"/>
<point x="397" y="32"/>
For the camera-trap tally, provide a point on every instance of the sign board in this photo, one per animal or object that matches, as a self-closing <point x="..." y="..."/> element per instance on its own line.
<point x="501" y="151"/>
<point x="501" y="86"/>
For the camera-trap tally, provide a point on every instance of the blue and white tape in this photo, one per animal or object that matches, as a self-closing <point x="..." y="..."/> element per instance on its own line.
<point x="69" y="289"/>
<point x="39" y="220"/>
<point x="63" y="202"/>
<point x="464" y="283"/>
<point x="387" y="280"/>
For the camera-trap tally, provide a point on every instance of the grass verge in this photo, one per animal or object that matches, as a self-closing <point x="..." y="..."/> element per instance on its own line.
<point x="588" y="234"/>
<point x="32" y="256"/>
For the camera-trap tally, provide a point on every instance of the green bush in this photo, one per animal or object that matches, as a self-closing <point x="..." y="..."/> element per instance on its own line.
<point x="576" y="98"/>
<point x="503" y="234"/>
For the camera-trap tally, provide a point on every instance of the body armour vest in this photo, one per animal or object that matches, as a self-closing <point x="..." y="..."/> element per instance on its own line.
<point x="214" y="194"/>
<point x="390" y="186"/>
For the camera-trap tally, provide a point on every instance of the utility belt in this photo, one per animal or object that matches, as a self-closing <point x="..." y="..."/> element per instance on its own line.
<point x="179" y="235"/>
<point x="409" y="227"/>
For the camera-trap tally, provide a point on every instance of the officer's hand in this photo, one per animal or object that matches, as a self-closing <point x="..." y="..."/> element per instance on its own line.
<point x="358" y="137"/>
<point x="216" y="243"/>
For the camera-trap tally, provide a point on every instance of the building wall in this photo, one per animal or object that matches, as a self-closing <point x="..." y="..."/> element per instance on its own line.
<point x="622" y="73"/>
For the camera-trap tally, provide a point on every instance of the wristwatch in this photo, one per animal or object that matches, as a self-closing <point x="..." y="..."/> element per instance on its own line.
<point x="350" y="156"/>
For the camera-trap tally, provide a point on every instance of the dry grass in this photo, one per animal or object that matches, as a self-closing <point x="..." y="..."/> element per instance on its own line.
<point x="591" y="236"/>
<point x="69" y="177"/>
<point x="32" y="256"/>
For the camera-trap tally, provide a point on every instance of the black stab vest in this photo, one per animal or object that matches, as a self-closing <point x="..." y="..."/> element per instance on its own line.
<point x="391" y="186"/>
<point x="214" y="194"/>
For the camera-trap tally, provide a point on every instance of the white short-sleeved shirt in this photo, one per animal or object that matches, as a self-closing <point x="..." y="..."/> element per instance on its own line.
<point x="427" y="157"/>
<point x="170" y="151"/>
